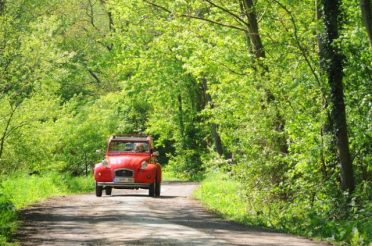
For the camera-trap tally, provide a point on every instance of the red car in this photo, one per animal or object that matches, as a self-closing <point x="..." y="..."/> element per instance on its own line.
<point x="130" y="163"/>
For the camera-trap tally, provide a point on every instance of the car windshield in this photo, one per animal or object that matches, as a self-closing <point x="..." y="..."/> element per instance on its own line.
<point x="129" y="146"/>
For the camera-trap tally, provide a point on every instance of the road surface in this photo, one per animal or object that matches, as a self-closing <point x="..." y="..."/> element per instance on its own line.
<point x="130" y="217"/>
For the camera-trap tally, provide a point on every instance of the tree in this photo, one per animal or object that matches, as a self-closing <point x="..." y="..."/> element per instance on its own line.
<point x="248" y="9"/>
<point x="366" y="8"/>
<point x="334" y="64"/>
<point x="31" y="65"/>
<point x="2" y="6"/>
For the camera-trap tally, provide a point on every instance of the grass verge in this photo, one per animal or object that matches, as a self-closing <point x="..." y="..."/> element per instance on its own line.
<point x="20" y="190"/>
<point x="222" y="195"/>
<point x="169" y="175"/>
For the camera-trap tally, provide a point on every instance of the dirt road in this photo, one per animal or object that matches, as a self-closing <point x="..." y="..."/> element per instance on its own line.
<point x="132" y="218"/>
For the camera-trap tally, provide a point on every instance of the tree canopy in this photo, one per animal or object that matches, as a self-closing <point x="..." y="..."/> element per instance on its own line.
<point x="274" y="93"/>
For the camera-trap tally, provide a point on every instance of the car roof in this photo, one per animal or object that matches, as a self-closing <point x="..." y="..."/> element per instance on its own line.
<point x="139" y="138"/>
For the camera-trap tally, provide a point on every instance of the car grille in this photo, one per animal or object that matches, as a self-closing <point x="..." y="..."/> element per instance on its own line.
<point x="124" y="173"/>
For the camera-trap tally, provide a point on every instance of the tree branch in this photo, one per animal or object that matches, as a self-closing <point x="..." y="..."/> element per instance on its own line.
<point x="158" y="6"/>
<point x="195" y="17"/>
<point x="297" y="39"/>
<point x="94" y="76"/>
<point x="90" y="13"/>
<point x="5" y="132"/>
<point x="214" y="22"/>
<point x="12" y="129"/>
<point x="228" y="11"/>
<point x="232" y="70"/>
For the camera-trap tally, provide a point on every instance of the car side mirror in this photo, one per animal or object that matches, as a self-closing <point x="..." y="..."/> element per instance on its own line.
<point x="155" y="153"/>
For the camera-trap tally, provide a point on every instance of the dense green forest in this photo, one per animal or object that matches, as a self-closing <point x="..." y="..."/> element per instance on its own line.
<point x="273" y="95"/>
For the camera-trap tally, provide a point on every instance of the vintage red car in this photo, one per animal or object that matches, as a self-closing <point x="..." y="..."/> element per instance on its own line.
<point x="130" y="163"/>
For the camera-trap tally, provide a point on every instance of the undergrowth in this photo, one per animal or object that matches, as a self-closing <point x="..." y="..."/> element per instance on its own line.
<point x="169" y="174"/>
<point x="225" y="196"/>
<point x="20" y="190"/>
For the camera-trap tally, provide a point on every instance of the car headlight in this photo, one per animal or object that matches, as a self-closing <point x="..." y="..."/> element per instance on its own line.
<point x="105" y="163"/>
<point x="144" y="165"/>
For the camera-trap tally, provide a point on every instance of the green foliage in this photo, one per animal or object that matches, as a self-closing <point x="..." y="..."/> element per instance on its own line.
<point x="8" y="219"/>
<point x="223" y="195"/>
<point x="74" y="72"/>
<point x="23" y="190"/>
<point x="78" y="184"/>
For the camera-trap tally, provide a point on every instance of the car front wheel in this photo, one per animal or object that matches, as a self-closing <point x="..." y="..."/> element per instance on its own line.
<point x="98" y="190"/>
<point x="152" y="189"/>
<point x="157" y="189"/>
<point x="108" y="191"/>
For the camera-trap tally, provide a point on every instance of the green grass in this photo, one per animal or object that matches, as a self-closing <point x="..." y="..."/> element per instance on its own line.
<point x="221" y="194"/>
<point x="169" y="175"/>
<point x="20" y="190"/>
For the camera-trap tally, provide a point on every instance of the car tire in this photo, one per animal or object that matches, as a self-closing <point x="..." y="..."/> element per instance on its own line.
<point x="98" y="190"/>
<point x="152" y="189"/>
<point x="108" y="191"/>
<point x="157" y="189"/>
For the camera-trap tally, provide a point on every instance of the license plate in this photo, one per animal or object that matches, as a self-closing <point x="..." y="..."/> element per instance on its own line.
<point x="123" y="180"/>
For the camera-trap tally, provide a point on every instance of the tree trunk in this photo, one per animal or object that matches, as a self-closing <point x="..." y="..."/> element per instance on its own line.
<point x="86" y="164"/>
<point x="111" y="22"/>
<point x="217" y="139"/>
<point x="214" y="127"/>
<point x="252" y="28"/>
<point x="257" y="50"/>
<point x="334" y="65"/>
<point x="366" y="7"/>
<point x="2" y="7"/>
<point x="5" y="132"/>
<point x="180" y="118"/>
<point x="327" y="167"/>
<point x="320" y="35"/>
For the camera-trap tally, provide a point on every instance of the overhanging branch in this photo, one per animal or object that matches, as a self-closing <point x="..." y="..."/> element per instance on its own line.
<point x="238" y="18"/>
<point x="195" y="17"/>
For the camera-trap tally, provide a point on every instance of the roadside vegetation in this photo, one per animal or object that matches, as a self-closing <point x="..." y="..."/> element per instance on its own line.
<point x="228" y="198"/>
<point x="271" y="95"/>
<point x="20" y="190"/>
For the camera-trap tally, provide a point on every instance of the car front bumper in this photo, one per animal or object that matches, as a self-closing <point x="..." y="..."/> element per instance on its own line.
<point x="124" y="185"/>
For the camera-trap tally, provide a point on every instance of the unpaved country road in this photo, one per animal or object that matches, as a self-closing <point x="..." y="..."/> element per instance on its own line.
<point x="132" y="218"/>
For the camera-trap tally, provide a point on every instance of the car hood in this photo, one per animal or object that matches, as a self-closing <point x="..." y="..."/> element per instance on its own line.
<point x="131" y="162"/>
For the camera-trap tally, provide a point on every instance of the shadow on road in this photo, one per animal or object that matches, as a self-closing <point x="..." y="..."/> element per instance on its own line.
<point x="143" y="195"/>
<point x="129" y="218"/>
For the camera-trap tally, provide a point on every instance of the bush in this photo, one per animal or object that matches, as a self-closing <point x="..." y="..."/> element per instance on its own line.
<point x="186" y="165"/>
<point x="8" y="218"/>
